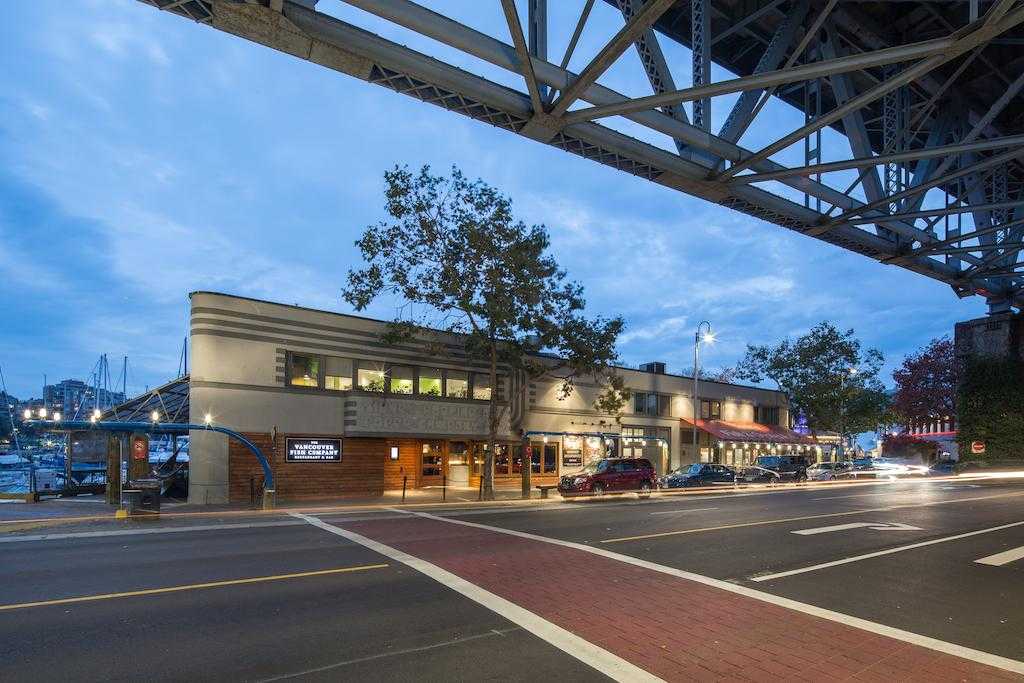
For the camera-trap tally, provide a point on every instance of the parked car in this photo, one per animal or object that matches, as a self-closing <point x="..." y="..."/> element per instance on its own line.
<point x="942" y="468"/>
<point x="829" y="471"/>
<point x="788" y="467"/>
<point x="611" y="475"/>
<point x="752" y="474"/>
<point x="700" y="474"/>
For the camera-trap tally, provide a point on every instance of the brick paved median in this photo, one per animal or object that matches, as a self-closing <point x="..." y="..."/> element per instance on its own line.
<point x="673" y="627"/>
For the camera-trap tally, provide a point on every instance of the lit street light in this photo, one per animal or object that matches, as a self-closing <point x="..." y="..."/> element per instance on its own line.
<point x="708" y="338"/>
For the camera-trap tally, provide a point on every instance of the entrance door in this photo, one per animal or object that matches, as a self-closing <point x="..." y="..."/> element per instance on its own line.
<point x="431" y="463"/>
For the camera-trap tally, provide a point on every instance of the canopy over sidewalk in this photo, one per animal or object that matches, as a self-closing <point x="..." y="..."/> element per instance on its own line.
<point x="754" y="432"/>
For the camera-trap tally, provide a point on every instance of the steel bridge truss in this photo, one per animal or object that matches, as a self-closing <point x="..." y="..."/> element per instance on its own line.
<point x="932" y="180"/>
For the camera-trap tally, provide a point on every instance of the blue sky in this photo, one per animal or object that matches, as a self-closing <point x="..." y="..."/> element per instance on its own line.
<point x="146" y="157"/>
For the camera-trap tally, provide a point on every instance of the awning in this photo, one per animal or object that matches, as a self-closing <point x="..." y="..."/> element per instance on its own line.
<point x="748" y="432"/>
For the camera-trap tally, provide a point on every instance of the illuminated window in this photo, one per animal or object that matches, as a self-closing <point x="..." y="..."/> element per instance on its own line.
<point x="401" y="379"/>
<point x="337" y="373"/>
<point x="304" y="370"/>
<point x="371" y="376"/>
<point x="456" y="384"/>
<point x="711" y="410"/>
<point x="543" y="457"/>
<point x="481" y="386"/>
<point x="430" y="382"/>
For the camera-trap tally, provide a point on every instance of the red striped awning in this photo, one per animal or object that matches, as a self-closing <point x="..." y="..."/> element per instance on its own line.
<point x="723" y="430"/>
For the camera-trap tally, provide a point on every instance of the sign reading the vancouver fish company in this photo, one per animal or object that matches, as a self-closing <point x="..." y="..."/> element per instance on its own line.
<point x="313" y="450"/>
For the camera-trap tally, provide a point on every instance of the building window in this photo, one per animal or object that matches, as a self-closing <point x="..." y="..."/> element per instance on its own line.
<point x="371" y="376"/>
<point x="711" y="410"/>
<point x="481" y="386"/>
<point x="645" y="442"/>
<point x="456" y="384"/>
<point x="543" y="457"/>
<point x="431" y="460"/>
<point x="647" y="403"/>
<point x="304" y="370"/>
<point x="766" y="415"/>
<point x="430" y="382"/>
<point x="337" y="373"/>
<point x="401" y="379"/>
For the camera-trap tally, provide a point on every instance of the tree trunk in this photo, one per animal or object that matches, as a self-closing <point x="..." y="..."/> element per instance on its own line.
<point x="492" y="422"/>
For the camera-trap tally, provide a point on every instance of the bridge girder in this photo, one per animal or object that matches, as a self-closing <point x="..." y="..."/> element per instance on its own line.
<point x="896" y="228"/>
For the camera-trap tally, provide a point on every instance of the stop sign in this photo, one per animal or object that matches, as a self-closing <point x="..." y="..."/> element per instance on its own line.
<point x="977" y="447"/>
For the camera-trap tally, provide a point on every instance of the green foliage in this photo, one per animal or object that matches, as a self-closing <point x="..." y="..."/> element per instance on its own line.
<point x="453" y="251"/>
<point x="826" y="376"/>
<point x="990" y="408"/>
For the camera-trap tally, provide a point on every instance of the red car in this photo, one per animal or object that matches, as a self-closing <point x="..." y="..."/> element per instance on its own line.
<point x="611" y="475"/>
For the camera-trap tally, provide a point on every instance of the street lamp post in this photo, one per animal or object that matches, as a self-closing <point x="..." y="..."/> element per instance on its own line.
<point x="697" y="339"/>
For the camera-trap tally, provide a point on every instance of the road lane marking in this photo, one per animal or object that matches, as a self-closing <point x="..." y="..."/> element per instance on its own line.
<point x="877" y="526"/>
<point x="190" y="587"/>
<point x="143" y="532"/>
<point x="493" y="633"/>
<point x="826" y="515"/>
<point x="935" y="644"/>
<point x="880" y="553"/>
<point x="600" y="659"/>
<point x="1006" y="557"/>
<point x="676" y="512"/>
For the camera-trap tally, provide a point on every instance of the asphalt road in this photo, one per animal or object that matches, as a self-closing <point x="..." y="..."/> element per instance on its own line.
<point x="322" y="607"/>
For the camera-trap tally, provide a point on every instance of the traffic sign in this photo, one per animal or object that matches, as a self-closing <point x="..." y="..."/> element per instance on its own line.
<point x="977" y="447"/>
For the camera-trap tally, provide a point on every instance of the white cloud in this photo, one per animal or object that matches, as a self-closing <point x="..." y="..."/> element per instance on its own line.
<point x="662" y="330"/>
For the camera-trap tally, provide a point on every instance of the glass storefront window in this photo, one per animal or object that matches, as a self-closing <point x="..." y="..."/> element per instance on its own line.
<point x="501" y="459"/>
<point x="543" y="457"/>
<point x="371" y="376"/>
<point x="457" y="384"/>
<point x="458" y="453"/>
<point x="304" y="370"/>
<point x="431" y="460"/>
<point x="430" y="382"/>
<point x="401" y="379"/>
<point x="481" y="386"/>
<point x="337" y="373"/>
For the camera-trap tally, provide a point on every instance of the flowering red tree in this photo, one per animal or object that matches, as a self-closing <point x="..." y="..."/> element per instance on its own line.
<point x="926" y="382"/>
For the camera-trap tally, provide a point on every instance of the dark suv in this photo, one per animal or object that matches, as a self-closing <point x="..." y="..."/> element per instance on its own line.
<point x="611" y="475"/>
<point x="700" y="474"/>
<point x="788" y="467"/>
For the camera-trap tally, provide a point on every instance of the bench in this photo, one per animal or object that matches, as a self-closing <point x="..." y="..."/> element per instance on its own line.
<point x="545" y="488"/>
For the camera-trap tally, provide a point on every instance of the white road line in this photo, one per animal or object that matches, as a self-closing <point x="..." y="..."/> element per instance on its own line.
<point x="881" y="629"/>
<point x="877" y="526"/>
<point x="879" y="553"/>
<point x="141" y="532"/>
<point x="1006" y="557"/>
<point x="676" y="512"/>
<point x="600" y="659"/>
<point x="494" y="633"/>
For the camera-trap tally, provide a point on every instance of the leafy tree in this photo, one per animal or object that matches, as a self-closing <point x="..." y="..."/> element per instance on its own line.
<point x="453" y="250"/>
<point x="926" y="382"/>
<point x="827" y="377"/>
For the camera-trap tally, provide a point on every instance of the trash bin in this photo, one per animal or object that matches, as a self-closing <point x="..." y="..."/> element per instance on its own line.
<point x="143" y="497"/>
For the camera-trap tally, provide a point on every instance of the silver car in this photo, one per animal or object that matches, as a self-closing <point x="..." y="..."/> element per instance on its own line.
<point x="829" y="471"/>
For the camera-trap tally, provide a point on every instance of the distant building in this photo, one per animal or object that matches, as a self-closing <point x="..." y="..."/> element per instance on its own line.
<point x="72" y="396"/>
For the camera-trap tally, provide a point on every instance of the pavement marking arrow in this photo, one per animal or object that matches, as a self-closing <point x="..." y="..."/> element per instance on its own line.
<point x="877" y="526"/>
<point x="1005" y="557"/>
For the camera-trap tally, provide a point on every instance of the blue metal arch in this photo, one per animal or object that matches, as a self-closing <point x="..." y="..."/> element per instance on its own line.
<point x="161" y="428"/>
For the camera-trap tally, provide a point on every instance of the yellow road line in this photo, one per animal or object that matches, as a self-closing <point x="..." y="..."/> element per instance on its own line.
<point x="191" y="586"/>
<point x="798" y="519"/>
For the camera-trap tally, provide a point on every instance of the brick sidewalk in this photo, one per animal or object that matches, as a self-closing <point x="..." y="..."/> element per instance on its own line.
<point x="672" y="627"/>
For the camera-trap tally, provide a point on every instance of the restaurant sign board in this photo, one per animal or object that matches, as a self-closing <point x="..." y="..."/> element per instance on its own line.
<point x="312" y="450"/>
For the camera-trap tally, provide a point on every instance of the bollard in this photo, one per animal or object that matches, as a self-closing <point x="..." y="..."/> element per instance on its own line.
<point x="444" y="487"/>
<point x="480" y="491"/>
<point x="404" y="479"/>
<point x="252" y="492"/>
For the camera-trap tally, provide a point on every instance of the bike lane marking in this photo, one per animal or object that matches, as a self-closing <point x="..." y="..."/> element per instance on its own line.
<point x="600" y="659"/>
